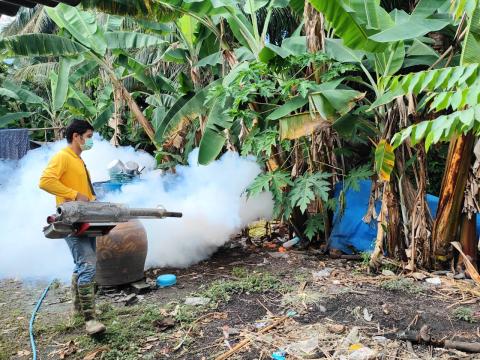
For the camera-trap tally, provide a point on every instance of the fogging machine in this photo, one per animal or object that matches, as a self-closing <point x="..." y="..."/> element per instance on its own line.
<point x="79" y="218"/>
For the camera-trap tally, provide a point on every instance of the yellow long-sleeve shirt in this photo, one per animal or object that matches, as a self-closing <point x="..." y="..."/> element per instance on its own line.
<point x="66" y="176"/>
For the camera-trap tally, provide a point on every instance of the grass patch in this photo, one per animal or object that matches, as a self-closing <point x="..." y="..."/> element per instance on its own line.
<point x="244" y="282"/>
<point x="464" y="313"/>
<point x="253" y="282"/>
<point x="127" y="327"/>
<point x="7" y="350"/>
<point x="401" y="285"/>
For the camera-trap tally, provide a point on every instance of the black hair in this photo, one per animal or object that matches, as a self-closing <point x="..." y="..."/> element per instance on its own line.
<point x="77" y="126"/>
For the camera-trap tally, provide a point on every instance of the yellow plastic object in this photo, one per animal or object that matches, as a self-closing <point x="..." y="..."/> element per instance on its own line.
<point x="356" y="346"/>
<point x="257" y="229"/>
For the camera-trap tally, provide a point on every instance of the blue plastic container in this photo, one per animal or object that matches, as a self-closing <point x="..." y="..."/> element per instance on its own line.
<point x="279" y="355"/>
<point x="166" y="280"/>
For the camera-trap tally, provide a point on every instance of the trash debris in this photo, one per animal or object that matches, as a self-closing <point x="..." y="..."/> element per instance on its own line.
<point x="130" y="299"/>
<point x="386" y="272"/>
<point x="166" y="280"/>
<point x="434" y="281"/>
<point x="260" y="325"/>
<point x="418" y="276"/>
<point x="197" y="301"/>
<point x="366" y="315"/>
<point x="305" y="347"/>
<point x="355" y="346"/>
<point x="164" y="324"/>
<point x="351" y="338"/>
<point x="336" y="328"/>
<point x="290" y="243"/>
<point x="279" y="355"/>
<point x="325" y="273"/>
<point x="380" y="339"/>
<point x="278" y="255"/>
<point x="258" y="229"/>
<point x="364" y="353"/>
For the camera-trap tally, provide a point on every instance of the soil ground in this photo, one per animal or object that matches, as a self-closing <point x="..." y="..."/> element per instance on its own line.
<point x="320" y="308"/>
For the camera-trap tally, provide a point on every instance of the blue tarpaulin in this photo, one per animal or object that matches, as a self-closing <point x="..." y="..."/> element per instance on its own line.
<point x="350" y="233"/>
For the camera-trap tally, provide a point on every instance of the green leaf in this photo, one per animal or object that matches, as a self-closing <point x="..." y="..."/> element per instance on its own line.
<point x="337" y="51"/>
<point x="471" y="45"/>
<point x="331" y="104"/>
<point x="415" y="27"/>
<point x="40" y="45"/>
<point x="212" y="60"/>
<point x="156" y="83"/>
<point x="274" y="181"/>
<point x="8" y="93"/>
<point x="84" y="70"/>
<point x="186" y="109"/>
<point x="251" y="6"/>
<point x="81" y="24"/>
<point x="162" y="12"/>
<point x="23" y="95"/>
<point x="436" y="80"/>
<point x="188" y="27"/>
<point x="315" y="225"/>
<point x="442" y="128"/>
<point x="384" y="160"/>
<point x="370" y="12"/>
<point x="62" y="83"/>
<point x="103" y="117"/>
<point x="355" y="176"/>
<point x="131" y="40"/>
<point x="425" y="8"/>
<point x="9" y="118"/>
<point x="354" y="35"/>
<point x="88" y="105"/>
<point x="214" y="137"/>
<point x="287" y="108"/>
<point x="307" y="188"/>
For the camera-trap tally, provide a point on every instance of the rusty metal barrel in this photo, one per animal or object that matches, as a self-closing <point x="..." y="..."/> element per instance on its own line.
<point x="121" y="254"/>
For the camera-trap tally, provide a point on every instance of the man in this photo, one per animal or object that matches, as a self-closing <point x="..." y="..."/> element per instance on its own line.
<point x="67" y="177"/>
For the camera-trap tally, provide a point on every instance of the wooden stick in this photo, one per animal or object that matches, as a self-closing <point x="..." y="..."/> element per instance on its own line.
<point x="245" y="342"/>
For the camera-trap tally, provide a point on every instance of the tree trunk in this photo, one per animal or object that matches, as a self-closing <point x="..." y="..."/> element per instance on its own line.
<point x="445" y="228"/>
<point x="135" y="109"/>
<point x="315" y="33"/>
<point x="468" y="239"/>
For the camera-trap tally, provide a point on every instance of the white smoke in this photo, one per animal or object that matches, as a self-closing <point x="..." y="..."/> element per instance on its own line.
<point x="210" y="197"/>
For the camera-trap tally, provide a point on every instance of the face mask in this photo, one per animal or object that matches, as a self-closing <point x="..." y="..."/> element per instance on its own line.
<point x="88" y="144"/>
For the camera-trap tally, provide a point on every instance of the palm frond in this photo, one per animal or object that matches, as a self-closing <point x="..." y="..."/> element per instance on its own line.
<point x="37" y="74"/>
<point x="27" y="21"/>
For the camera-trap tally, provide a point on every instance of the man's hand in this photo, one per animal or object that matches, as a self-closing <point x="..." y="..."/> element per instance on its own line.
<point x="81" y="197"/>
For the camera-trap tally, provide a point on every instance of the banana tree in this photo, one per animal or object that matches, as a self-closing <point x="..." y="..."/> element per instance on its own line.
<point x="53" y="110"/>
<point x="87" y="42"/>
<point x="382" y="44"/>
<point x="453" y="90"/>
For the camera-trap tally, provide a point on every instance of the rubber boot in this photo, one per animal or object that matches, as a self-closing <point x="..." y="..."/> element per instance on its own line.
<point x="77" y="309"/>
<point x="87" y="301"/>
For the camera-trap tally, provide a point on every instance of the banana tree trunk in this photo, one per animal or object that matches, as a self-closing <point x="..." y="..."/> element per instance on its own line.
<point x="445" y="228"/>
<point x="468" y="238"/>
<point x="135" y="109"/>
